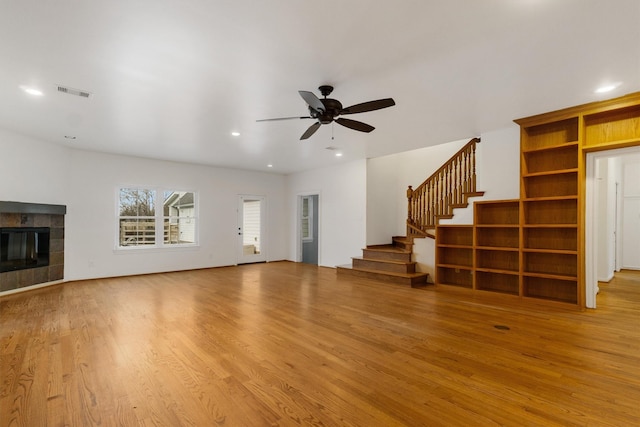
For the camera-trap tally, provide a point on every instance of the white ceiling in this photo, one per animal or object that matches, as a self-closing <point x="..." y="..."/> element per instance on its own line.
<point x="171" y="79"/>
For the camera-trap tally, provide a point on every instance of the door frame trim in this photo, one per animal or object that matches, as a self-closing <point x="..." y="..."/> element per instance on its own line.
<point x="263" y="235"/>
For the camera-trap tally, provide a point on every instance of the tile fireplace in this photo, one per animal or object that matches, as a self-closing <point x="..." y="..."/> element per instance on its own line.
<point x="31" y="244"/>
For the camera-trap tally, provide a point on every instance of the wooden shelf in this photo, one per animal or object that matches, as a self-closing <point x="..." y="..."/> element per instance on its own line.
<point x="453" y="246"/>
<point x="498" y="248"/>
<point x="456" y="266"/>
<point x="562" y="146"/>
<point x="550" y="251"/>
<point x="550" y="276"/>
<point x="551" y="172"/>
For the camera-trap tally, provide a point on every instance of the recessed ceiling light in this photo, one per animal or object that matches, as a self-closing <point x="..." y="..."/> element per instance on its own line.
<point x="235" y="133"/>
<point x="269" y="166"/>
<point x="31" y="91"/>
<point x="607" y="88"/>
<point x="338" y="154"/>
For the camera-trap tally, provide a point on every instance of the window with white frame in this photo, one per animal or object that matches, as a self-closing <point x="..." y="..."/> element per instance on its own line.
<point x="153" y="217"/>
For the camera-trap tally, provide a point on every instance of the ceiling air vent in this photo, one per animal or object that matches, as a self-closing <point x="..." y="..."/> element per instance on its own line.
<point x="72" y="91"/>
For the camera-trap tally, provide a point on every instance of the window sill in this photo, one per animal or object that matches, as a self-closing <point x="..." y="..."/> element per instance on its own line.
<point x="156" y="249"/>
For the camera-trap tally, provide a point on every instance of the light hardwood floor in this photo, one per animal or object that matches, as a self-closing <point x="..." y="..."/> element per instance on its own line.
<point x="293" y="345"/>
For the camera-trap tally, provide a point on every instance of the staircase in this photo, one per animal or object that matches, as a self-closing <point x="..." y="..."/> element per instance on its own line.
<point x="389" y="263"/>
<point x="448" y="188"/>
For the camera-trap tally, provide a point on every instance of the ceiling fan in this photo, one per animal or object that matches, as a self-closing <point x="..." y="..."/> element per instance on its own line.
<point x="327" y="110"/>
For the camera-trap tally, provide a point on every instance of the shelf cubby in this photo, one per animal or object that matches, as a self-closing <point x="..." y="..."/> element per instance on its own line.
<point x="498" y="237"/>
<point x="497" y="282"/>
<point x="549" y="135"/>
<point x="560" y="238"/>
<point x="555" y="158"/>
<point x="497" y="213"/>
<point x="454" y="235"/>
<point x="455" y="276"/>
<point x="612" y="126"/>
<point x="553" y="263"/>
<point x="498" y="259"/>
<point x="562" y="290"/>
<point x="551" y="211"/>
<point x="456" y="257"/>
<point x="557" y="184"/>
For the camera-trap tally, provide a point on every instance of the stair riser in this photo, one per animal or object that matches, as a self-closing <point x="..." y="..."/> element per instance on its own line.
<point x="392" y="256"/>
<point x="383" y="266"/>
<point x="403" y="243"/>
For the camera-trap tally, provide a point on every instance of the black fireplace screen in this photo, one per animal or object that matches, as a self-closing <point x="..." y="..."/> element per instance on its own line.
<point x="21" y="248"/>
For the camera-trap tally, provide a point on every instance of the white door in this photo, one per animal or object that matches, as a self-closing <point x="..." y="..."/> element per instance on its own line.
<point x="251" y="215"/>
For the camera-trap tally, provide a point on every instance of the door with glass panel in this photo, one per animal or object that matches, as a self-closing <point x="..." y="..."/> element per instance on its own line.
<point x="251" y="222"/>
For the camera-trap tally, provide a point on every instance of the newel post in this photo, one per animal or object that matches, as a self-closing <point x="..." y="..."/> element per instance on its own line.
<point x="409" y="197"/>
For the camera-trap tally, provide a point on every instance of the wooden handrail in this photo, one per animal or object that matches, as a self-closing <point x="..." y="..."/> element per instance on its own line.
<point x="447" y="188"/>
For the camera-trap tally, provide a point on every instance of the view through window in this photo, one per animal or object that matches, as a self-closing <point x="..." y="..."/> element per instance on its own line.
<point x="156" y="217"/>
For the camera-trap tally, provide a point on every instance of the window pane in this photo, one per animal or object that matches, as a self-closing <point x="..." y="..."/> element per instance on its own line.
<point x="179" y="212"/>
<point x="137" y="231"/>
<point x="137" y="202"/>
<point x="179" y="230"/>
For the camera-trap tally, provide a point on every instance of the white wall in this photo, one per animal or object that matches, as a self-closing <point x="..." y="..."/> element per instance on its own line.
<point x="342" y="210"/>
<point x="631" y="214"/>
<point x="497" y="170"/>
<point x="87" y="183"/>
<point x="32" y="171"/>
<point x="605" y="217"/>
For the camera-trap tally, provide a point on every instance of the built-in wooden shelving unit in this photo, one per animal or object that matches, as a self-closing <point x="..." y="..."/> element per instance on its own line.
<point x="533" y="247"/>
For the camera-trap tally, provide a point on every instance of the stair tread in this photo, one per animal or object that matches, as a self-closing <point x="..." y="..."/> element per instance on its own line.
<point x="388" y="248"/>
<point x="385" y="273"/>
<point x="385" y="261"/>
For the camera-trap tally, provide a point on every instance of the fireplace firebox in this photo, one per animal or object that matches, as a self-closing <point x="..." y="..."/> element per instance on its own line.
<point x="24" y="247"/>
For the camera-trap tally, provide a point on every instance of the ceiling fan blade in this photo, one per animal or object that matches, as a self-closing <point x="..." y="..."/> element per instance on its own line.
<point x="312" y="129"/>
<point x="355" y="125"/>
<point x="283" y="118"/>
<point x="312" y="100"/>
<point x="369" y="106"/>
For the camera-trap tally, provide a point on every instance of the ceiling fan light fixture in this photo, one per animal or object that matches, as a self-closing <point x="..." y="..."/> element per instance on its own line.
<point x="327" y="110"/>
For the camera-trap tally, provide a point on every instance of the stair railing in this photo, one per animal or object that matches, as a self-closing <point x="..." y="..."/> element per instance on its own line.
<point x="446" y="189"/>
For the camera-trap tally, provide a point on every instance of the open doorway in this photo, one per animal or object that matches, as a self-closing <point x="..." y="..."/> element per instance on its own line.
<point x="308" y="228"/>
<point x="612" y="211"/>
<point x="251" y="220"/>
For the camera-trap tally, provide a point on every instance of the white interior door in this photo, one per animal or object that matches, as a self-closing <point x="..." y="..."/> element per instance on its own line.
<point x="251" y="215"/>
